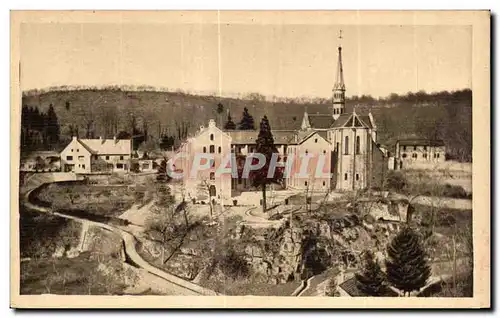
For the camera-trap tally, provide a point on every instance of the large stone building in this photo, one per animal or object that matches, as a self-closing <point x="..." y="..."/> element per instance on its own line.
<point x="410" y="153"/>
<point x="345" y="142"/>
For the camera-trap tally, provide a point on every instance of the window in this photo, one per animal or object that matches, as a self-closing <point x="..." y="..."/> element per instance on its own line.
<point x="403" y="155"/>
<point x="71" y="150"/>
<point x="324" y="183"/>
<point x="83" y="166"/>
<point x="425" y="148"/>
<point x="204" y="149"/>
<point x="437" y="155"/>
<point x="425" y="155"/>
<point x="324" y="152"/>
<point x="219" y="150"/>
<point x="316" y="140"/>
<point x="305" y="183"/>
<point x="345" y="176"/>
<point x="145" y="166"/>
<point x="77" y="150"/>
<point x="107" y="157"/>
<point x="119" y="165"/>
<point x="414" y="147"/>
<point x="212" y="175"/>
<point x="358" y="145"/>
<point x="414" y="155"/>
<point x="69" y="158"/>
<point x="121" y="157"/>
<point x="337" y="147"/>
<point x="404" y="148"/>
<point x="346" y="145"/>
<point x="211" y="136"/>
<point x="81" y="158"/>
<point x="307" y="152"/>
<point x="212" y="149"/>
<point x="357" y="177"/>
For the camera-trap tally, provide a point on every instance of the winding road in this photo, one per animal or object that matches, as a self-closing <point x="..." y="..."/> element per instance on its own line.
<point x="178" y="285"/>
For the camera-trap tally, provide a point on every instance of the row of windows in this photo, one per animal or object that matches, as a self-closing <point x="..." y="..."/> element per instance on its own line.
<point x="212" y="149"/>
<point x="346" y="145"/>
<point x="415" y="148"/>
<point x="415" y="156"/>
<point x="337" y="111"/>
<point x="346" y="177"/>
<point x="70" y="158"/>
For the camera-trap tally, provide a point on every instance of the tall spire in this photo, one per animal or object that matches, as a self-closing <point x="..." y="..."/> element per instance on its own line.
<point x="339" y="86"/>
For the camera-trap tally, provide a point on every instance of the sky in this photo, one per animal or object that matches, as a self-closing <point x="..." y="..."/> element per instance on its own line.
<point x="287" y="60"/>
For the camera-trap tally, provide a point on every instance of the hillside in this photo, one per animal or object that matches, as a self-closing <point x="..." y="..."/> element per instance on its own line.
<point x="105" y="112"/>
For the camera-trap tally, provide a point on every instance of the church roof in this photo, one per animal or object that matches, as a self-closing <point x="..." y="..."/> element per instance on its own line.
<point x="352" y="120"/>
<point x="320" y="121"/>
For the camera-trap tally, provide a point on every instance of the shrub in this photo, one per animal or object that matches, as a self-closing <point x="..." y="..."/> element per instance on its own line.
<point x="232" y="264"/>
<point x="396" y="181"/>
<point x="454" y="191"/>
<point x="235" y="202"/>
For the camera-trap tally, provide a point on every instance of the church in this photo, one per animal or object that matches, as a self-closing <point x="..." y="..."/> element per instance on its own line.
<point x="346" y="143"/>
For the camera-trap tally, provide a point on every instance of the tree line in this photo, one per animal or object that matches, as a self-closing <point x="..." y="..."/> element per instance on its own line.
<point x="39" y="129"/>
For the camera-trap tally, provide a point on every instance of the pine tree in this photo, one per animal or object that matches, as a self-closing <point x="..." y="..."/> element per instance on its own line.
<point x="407" y="267"/>
<point x="230" y="125"/>
<point x="371" y="280"/>
<point x="52" y="126"/>
<point x="246" y="122"/>
<point x="265" y="146"/>
<point x="220" y="110"/>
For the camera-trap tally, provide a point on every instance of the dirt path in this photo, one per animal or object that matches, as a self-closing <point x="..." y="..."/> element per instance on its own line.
<point x="175" y="284"/>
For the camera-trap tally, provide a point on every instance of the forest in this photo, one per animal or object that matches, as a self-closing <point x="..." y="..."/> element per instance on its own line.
<point x="165" y="118"/>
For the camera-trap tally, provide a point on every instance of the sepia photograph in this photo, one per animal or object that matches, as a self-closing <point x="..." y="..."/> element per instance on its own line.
<point x="314" y="159"/>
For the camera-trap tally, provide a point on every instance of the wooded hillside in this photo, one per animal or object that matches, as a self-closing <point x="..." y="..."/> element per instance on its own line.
<point x="111" y="111"/>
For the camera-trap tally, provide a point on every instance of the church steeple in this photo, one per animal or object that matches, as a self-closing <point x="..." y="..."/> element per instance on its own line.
<point x="339" y="86"/>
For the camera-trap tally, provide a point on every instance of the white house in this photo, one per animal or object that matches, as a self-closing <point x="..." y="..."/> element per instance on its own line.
<point x="96" y="155"/>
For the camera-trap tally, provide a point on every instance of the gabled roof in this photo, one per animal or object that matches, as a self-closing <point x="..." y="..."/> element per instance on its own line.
<point x="107" y="146"/>
<point x="352" y="120"/>
<point x="350" y="287"/>
<point x="248" y="137"/>
<point x="320" y="121"/>
<point x="421" y="142"/>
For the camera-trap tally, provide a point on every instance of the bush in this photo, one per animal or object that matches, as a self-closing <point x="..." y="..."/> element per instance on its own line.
<point x="235" y="202"/>
<point x="396" y="181"/>
<point x="232" y="264"/>
<point x="454" y="191"/>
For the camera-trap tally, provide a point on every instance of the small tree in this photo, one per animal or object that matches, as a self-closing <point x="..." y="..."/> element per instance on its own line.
<point x="220" y="110"/>
<point x="247" y="122"/>
<point x="407" y="267"/>
<point x="230" y="125"/>
<point x="371" y="279"/>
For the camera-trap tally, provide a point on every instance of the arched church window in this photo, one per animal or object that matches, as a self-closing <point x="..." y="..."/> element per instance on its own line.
<point x="212" y="149"/>
<point x="358" y="145"/>
<point x="211" y="136"/>
<point x="346" y="145"/>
